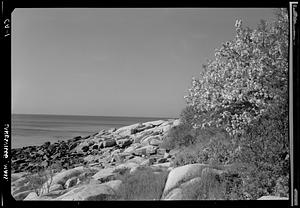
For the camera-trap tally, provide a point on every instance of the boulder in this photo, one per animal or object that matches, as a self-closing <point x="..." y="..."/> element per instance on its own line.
<point x="182" y="174"/>
<point x="104" y="175"/>
<point x="71" y="182"/>
<point x="55" y="187"/>
<point x="16" y="176"/>
<point x="148" y="162"/>
<point x="22" y="195"/>
<point x="272" y="198"/>
<point x="132" y="148"/>
<point x="124" y="142"/>
<point x="109" y="143"/>
<point x="154" y="123"/>
<point x="175" y="194"/>
<point x="114" y="184"/>
<point x="126" y="130"/>
<point x="31" y="196"/>
<point x="88" y="192"/>
<point x="63" y="176"/>
<point x="147" y="140"/>
<point x="76" y="138"/>
<point x="149" y="149"/>
<point x="85" y="148"/>
<point x="162" y="160"/>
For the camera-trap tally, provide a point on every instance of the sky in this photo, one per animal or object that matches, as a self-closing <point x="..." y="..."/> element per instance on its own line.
<point x="115" y="62"/>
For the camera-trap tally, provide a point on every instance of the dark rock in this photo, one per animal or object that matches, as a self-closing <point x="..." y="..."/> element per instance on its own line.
<point x="85" y="148"/>
<point x="86" y="137"/>
<point x="72" y="146"/>
<point x="162" y="160"/>
<point x="95" y="146"/>
<point x="76" y="138"/>
<point x="46" y="144"/>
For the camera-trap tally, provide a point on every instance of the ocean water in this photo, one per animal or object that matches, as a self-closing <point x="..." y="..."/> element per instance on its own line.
<point x="37" y="129"/>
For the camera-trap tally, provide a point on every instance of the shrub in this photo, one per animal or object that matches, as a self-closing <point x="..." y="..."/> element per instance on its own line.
<point x="178" y="136"/>
<point x="143" y="184"/>
<point x="248" y="76"/>
<point x="210" y="146"/>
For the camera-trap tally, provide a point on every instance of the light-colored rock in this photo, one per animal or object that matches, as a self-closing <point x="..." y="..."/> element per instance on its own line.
<point x="176" y="122"/>
<point x="128" y="165"/>
<point x="63" y="176"/>
<point x="22" y="195"/>
<point x="190" y="188"/>
<point x="124" y="142"/>
<point x="132" y="148"/>
<point x="182" y="174"/>
<point x="126" y="130"/>
<point x="104" y="174"/>
<point x="155" y="142"/>
<point x="165" y="165"/>
<point x="87" y="192"/>
<point x="154" y="123"/>
<point x="175" y="194"/>
<point x="148" y="149"/>
<point x="16" y="176"/>
<point x="272" y="198"/>
<point x="114" y="184"/>
<point x="148" y="162"/>
<point x="31" y="196"/>
<point x="109" y="143"/>
<point x="147" y="140"/>
<point x="19" y="182"/>
<point x="71" y="182"/>
<point x="55" y="187"/>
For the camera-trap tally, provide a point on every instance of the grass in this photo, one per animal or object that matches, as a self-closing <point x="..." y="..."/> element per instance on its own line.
<point x="144" y="184"/>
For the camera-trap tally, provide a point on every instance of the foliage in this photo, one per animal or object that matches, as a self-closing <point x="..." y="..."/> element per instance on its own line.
<point x="43" y="178"/>
<point x="213" y="146"/>
<point x="247" y="77"/>
<point x="178" y="136"/>
<point x="244" y="91"/>
<point x="144" y="184"/>
<point x="36" y="181"/>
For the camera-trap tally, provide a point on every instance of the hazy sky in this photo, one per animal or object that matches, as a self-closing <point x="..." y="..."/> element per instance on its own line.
<point x="115" y="62"/>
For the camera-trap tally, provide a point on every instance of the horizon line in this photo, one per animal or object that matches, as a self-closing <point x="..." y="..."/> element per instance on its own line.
<point x="45" y="114"/>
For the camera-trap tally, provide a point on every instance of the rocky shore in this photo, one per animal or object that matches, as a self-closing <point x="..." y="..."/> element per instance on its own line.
<point x="100" y="158"/>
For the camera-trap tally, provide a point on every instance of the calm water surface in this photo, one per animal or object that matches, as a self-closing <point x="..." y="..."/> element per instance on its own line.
<point x="36" y="129"/>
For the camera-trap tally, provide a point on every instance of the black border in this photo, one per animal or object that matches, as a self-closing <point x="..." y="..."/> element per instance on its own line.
<point x="10" y="5"/>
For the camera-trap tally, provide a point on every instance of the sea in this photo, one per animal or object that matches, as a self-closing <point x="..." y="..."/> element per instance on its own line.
<point x="36" y="129"/>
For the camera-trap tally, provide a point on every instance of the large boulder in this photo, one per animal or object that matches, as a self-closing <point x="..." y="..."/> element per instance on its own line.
<point x="22" y="195"/>
<point x="182" y="174"/>
<point x="272" y="198"/>
<point x="104" y="175"/>
<point x="63" y="176"/>
<point x="88" y="192"/>
<point x="175" y="194"/>
<point x="127" y="130"/>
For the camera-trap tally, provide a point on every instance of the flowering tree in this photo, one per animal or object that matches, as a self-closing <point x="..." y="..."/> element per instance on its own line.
<point x="248" y="76"/>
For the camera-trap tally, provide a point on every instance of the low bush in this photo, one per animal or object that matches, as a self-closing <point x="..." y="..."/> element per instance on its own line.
<point x="178" y="136"/>
<point x="144" y="184"/>
<point x="211" y="146"/>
